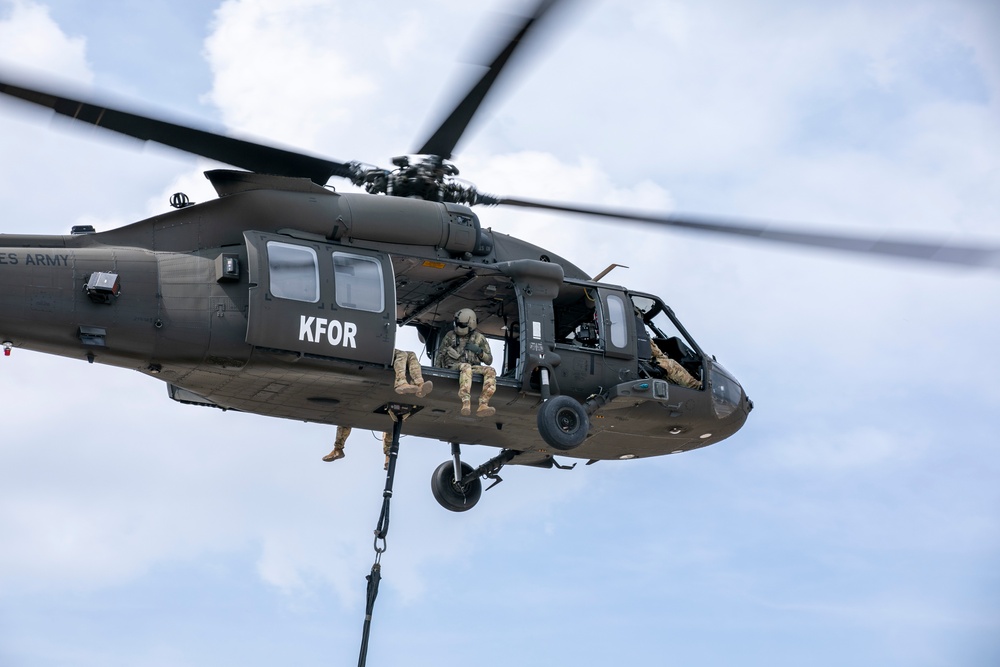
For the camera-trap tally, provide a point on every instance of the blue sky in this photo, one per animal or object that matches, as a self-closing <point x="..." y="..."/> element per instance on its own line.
<point x="854" y="520"/>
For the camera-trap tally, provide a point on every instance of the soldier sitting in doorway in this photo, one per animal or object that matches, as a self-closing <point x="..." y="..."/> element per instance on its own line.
<point x="466" y="350"/>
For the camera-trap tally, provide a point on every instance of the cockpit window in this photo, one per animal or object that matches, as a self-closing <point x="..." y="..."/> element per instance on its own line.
<point x="616" y="316"/>
<point x="662" y="345"/>
<point x="644" y="304"/>
<point x="726" y="392"/>
<point x="662" y="327"/>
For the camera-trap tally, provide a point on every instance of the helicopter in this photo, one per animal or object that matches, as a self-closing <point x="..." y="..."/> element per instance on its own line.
<point x="210" y="298"/>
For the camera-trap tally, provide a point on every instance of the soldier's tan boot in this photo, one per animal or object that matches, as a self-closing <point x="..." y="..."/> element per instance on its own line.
<point x="485" y="410"/>
<point x="337" y="453"/>
<point x="343" y="433"/>
<point x="404" y="387"/>
<point x="424" y="388"/>
<point x="466" y="408"/>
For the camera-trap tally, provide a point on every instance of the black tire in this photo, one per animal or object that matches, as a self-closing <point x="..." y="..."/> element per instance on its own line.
<point x="451" y="496"/>
<point x="563" y="423"/>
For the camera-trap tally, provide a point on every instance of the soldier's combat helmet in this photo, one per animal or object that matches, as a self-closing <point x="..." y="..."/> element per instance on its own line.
<point x="465" y="321"/>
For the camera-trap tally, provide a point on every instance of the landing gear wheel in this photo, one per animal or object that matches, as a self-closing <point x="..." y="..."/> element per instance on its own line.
<point x="562" y="422"/>
<point x="449" y="494"/>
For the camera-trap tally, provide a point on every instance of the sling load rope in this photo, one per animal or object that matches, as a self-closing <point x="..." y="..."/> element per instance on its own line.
<point x="398" y="413"/>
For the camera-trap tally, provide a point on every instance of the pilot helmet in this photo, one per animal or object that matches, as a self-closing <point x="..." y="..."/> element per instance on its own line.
<point x="465" y="321"/>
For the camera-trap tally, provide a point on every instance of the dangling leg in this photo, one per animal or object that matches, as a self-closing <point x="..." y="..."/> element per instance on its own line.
<point x="386" y="445"/>
<point x="399" y="367"/>
<point x="489" y="388"/>
<point x="465" y="388"/>
<point x="387" y="439"/>
<point x="413" y="365"/>
<point x="338" y="444"/>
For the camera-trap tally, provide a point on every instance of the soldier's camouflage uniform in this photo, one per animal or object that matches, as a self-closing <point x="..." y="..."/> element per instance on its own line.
<point x="343" y="432"/>
<point x="452" y="354"/>
<point x="675" y="372"/>
<point x="403" y="361"/>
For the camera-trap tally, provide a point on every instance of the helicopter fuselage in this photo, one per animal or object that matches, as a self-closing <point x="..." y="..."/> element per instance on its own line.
<point x="283" y="298"/>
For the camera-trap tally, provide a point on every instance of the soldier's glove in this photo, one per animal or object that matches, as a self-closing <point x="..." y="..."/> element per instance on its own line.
<point x="473" y="348"/>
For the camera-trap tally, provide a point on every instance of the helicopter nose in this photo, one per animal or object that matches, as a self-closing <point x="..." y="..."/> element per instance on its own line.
<point x="727" y="393"/>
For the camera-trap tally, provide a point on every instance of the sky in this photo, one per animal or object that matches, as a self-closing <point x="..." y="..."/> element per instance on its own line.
<point x="855" y="519"/>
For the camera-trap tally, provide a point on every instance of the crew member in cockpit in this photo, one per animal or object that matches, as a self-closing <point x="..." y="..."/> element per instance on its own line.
<point x="675" y="372"/>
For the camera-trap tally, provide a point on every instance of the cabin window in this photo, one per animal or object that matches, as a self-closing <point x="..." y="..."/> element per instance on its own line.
<point x="293" y="271"/>
<point x="616" y="318"/>
<point x="359" y="282"/>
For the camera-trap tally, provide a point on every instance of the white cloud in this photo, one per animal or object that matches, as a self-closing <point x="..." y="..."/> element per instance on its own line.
<point x="30" y="38"/>
<point x="280" y="68"/>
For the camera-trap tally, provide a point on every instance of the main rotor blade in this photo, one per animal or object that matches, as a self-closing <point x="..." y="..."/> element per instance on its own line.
<point x="236" y="152"/>
<point x="443" y="141"/>
<point x="927" y="251"/>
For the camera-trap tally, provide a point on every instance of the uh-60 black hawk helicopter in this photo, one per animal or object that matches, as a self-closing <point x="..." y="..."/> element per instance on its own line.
<point x="283" y="297"/>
